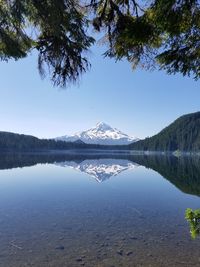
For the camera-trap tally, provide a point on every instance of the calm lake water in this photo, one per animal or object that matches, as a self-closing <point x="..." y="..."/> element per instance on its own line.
<point x="97" y="210"/>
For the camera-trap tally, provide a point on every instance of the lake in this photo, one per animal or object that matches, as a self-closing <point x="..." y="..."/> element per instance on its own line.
<point x="97" y="210"/>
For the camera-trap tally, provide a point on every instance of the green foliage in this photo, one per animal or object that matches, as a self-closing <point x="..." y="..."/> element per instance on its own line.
<point x="159" y="33"/>
<point x="56" y="29"/>
<point x="182" y="135"/>
<point x="193" y="217"/>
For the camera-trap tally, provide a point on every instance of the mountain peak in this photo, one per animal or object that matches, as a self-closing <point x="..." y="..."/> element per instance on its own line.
<point x="101" y="134"/>
<point x="103" y="126"/>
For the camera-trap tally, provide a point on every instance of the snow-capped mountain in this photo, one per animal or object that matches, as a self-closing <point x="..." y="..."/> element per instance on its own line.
<point x="100" y="169"/>
<point x="101" y="134"/>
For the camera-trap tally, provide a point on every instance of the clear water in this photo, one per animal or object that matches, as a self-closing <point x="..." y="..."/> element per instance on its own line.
<point x="103" y="210"/>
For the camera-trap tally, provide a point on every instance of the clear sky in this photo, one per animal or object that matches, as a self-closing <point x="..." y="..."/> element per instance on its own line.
<point x="140" y="103"/>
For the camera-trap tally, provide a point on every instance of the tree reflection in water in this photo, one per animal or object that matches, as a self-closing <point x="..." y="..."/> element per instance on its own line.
<point x="183" y="172"/>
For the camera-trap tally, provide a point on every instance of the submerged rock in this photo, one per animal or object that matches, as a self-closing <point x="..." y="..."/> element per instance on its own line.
<point x="79" y="259"/>
<point x="120" y="252"/>
<point x="60" y="247"/>
<point x="129" y="253"/>
<point x="133" y="238"/>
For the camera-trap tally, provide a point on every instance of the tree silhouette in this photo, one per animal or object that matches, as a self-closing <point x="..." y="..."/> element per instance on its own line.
<point x="163" y="34"/>
<point x="56" y="29"/>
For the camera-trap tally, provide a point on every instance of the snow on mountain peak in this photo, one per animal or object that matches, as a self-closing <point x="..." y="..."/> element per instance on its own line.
<point x="102" y="134"/>
<point x="103" y="126"/>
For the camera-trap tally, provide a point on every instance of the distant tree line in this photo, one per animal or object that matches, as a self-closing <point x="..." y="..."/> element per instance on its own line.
<point x="21" y="142"/>
<point x="182" y="135"/>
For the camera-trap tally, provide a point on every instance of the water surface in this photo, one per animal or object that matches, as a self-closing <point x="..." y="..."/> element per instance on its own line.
<point x="103" y="210"/>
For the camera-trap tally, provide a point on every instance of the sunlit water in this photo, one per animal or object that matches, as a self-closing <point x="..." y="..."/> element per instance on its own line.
<point x="91" y="211"/>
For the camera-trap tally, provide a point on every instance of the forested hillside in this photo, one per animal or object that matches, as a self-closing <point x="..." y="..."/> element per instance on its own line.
<point x="183" y="134"/>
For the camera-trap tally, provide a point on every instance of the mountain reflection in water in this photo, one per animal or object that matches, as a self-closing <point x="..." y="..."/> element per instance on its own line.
<point x="53" y="214"/>
<point x="100" y="169"/>
<point x="183" y="172"/>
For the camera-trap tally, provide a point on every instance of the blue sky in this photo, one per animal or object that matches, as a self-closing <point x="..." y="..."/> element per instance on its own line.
<point x="139" y="103"/>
